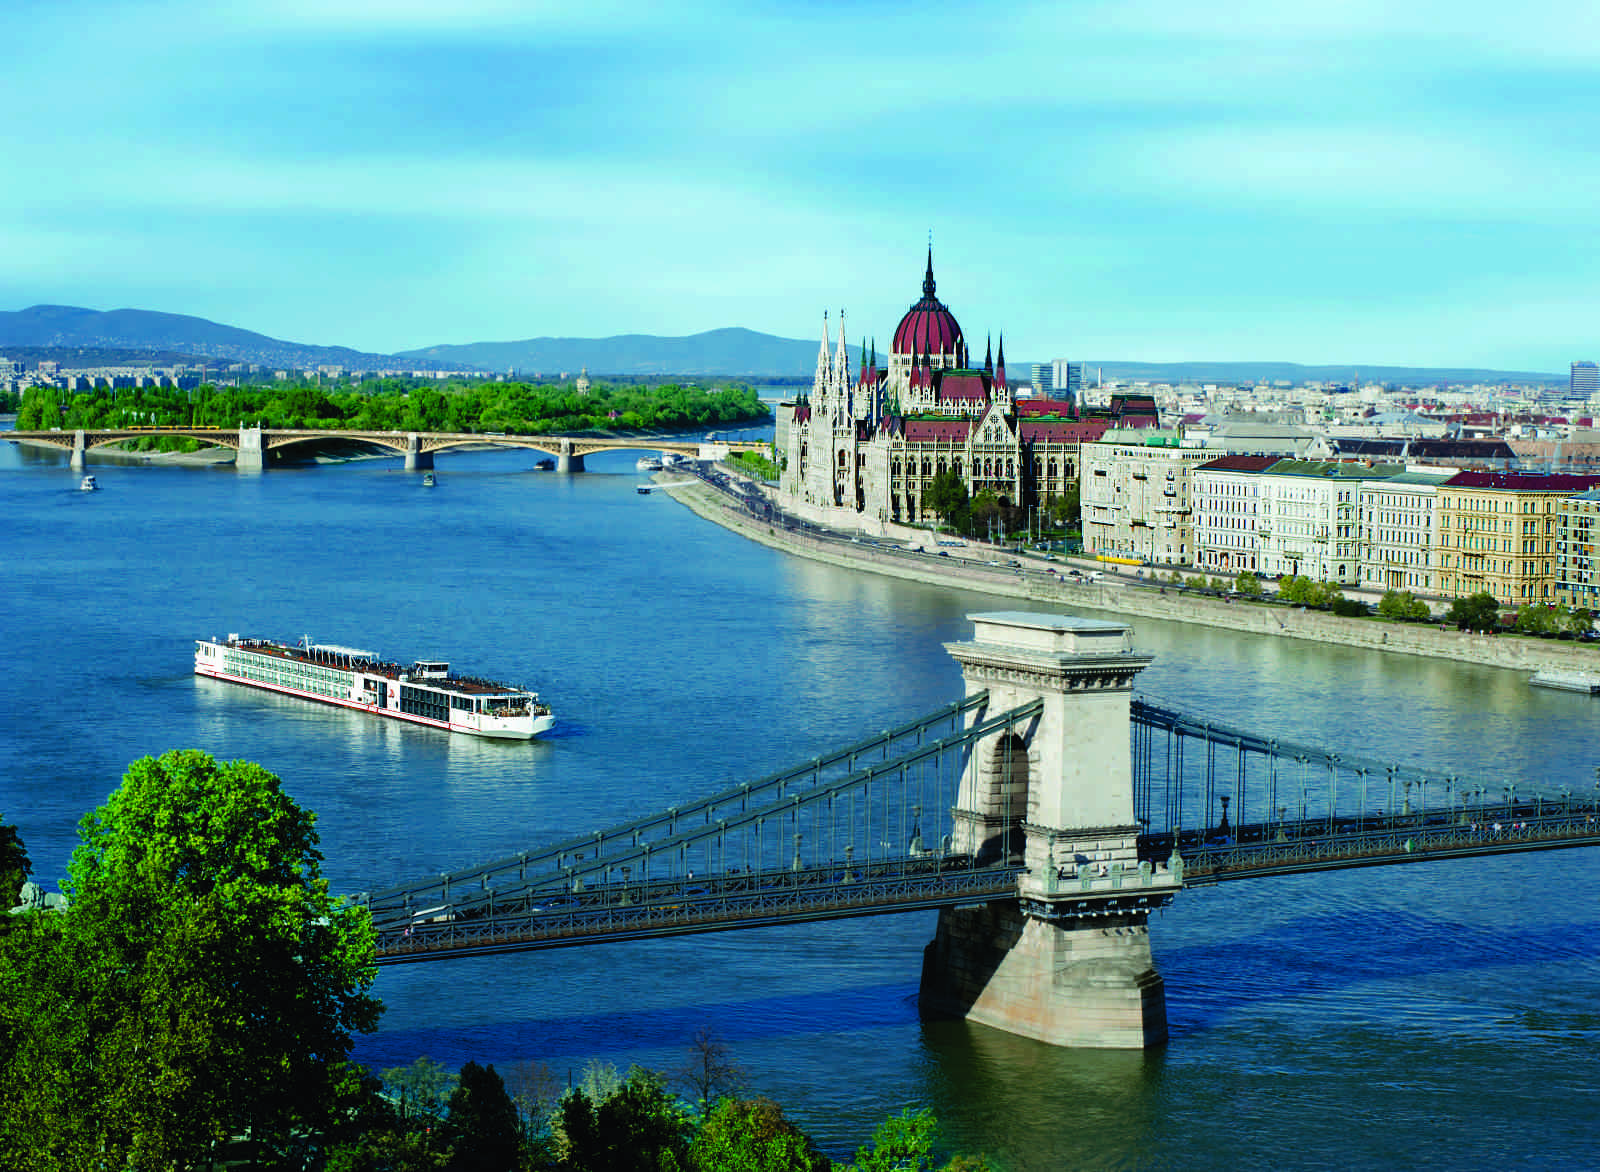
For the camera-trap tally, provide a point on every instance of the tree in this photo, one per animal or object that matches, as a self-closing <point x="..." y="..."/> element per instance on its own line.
<point x="947" y="496"/>
<point x="201" y="984"/>
<point x="638" y="1128"/>
<point x="422" y="1089"/>
<point x="14" y="867"/>
<point x="1402" y="606"/>
<point x="708" y="1072"/>
<point x="1248" y="584"/>
<point x="482" y="1132"/>
<point x="904" y="1143"/>
<point x="752" y="1135"/>
<point x="1476" y="612"/>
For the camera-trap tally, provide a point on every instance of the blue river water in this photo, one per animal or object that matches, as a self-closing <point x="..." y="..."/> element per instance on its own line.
<point x="1411" y="1017"/>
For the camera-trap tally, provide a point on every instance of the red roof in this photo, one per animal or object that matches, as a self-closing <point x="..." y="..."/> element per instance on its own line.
<point x="923" y="430"/>
<point x="1239" y="464"/>
<point x="963" y="386"/>
<point x="1522" y="482"/>
<point x="1030" y="406"/>
<point x="1061" y="431"/>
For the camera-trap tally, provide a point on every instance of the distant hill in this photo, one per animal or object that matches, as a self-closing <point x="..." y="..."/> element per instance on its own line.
<point x="730" y="351"/>
<point x="62" y="332"/>
<point x="65" y="326"/>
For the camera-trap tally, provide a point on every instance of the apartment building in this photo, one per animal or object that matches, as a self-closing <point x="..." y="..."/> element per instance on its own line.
<point x="1577" y="558"/>
<point x="1397" y="530"/>
<point x="1227" y="499"/>
<point x="1497" y="531"/>
<point x="1307" y="520"/>
<point x="1134" y="494"/>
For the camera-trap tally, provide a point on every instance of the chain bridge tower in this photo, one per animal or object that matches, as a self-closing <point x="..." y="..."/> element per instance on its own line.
<point x="1067" y="961"/>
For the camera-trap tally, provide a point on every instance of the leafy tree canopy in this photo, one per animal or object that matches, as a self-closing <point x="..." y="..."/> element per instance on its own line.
<point x="14" y="867"/>
<point x="201" y="984"/>
<point x="1476" y="612"/>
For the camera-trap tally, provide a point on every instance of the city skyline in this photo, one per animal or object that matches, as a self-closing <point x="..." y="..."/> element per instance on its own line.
<point x="1335" y="184"/>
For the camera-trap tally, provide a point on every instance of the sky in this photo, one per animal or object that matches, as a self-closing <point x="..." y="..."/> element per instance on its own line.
<point x="1144" y="180"/>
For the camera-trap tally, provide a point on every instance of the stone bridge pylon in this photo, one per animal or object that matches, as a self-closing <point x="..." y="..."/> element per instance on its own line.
<point x="1067" y="961"/>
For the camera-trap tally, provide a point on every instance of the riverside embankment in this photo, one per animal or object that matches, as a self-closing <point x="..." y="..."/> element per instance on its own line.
<point x="1033" y="582"/>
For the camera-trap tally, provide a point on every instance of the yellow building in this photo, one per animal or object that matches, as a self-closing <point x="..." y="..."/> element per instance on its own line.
<point x="1497" y="531"/>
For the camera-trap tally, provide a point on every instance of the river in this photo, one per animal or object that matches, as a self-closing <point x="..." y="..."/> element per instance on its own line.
<point x="1401" y="1017"/>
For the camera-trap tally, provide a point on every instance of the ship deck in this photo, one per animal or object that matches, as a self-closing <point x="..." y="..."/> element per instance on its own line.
<point x="461" y="685"/>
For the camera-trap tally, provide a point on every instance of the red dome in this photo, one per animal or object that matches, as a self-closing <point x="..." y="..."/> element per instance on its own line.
<point x="928" y="327"/>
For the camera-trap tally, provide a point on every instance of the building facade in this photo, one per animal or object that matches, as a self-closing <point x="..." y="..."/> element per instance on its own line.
<point x="1497" y="533"/>
<point x="1397" y="531"/>
<point x="1135" y="488"/>
<point x="1578" y="550"/>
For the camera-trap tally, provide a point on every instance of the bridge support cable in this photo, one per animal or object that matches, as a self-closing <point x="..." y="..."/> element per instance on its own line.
<point x="1333" y="812"/>
<point x="863" y="839"/>
<point x="745" y="796"/>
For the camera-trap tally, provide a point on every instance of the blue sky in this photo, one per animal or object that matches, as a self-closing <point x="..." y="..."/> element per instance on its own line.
<point x="1413" y="184"/>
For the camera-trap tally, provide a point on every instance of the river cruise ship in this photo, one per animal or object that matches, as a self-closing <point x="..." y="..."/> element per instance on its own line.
<point x="424" y="693"/>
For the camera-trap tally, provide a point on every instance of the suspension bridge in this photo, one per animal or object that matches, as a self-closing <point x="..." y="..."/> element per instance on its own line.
<point x="1046" y="814"/>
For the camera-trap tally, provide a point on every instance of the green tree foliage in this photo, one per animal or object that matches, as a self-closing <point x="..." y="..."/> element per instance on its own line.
<point x="904" y="1143"/>
<point x="1476" y="612"/>
<point x="1301" y="590"/>
<point x="946" y="495"/>
<point x="398" y="405"/>
<point x="638" y="1128"/>
<point x="1540" y="620"/>
<point x="1248" y="584"/>
<point x="201" y="984"/>
<point x="1403" y="606"/>
<point x="421" y="1090"/>
<point x="1579" y="620"/>
<point x="482" y="1132"/>
<point x="752" y="1135"/>
<point x="14" y="867"/>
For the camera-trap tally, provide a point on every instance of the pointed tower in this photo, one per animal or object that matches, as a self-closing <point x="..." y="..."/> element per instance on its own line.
<point x="819" y="385"/>
<point x="988" y="356"/>
<point x="1000" y="365"/>
<point x="842" y="381"/>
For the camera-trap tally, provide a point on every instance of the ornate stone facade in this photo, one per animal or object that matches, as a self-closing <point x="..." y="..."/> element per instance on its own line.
<point x="867" y="444"/>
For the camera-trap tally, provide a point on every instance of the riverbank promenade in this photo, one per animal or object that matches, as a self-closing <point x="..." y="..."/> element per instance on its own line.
<point x="916" y="556"/>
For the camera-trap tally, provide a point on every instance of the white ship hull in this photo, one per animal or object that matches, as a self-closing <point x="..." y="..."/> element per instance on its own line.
<point x="330" y="676"/>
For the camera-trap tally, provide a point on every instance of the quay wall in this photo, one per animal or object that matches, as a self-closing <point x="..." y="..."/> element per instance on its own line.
<point x="1034" y="585"/>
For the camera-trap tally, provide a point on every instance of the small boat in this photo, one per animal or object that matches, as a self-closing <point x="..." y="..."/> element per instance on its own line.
<point x="428" y="480"/>
<point x="546" y="465"/>
<point x="645" y="489"/>
<point x="87" y="484"/>
<point x="648" y="464"/>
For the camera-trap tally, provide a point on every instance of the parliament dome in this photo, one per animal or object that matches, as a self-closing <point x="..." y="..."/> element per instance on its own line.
<point x="928" y="327"/>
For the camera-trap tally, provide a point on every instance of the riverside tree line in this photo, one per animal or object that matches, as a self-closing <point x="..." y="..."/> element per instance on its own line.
<point x="195" y="1003"/>
<point x="397" y="405"/>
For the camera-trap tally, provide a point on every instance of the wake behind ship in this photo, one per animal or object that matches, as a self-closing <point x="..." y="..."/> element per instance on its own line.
<point x="424" y="693"/>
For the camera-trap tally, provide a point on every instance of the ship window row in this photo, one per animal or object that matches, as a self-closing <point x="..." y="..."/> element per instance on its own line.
<point x="274" y="672"/>
<point x="424" y="702"/>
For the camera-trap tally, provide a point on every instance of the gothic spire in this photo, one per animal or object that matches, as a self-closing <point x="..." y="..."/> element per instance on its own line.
<point x="988" y="355"/>
<point x="927" y="280"/>
<point x="1000" y="363"/>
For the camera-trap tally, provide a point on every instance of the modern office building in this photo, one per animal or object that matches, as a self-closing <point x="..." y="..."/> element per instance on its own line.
<point x="1067" y="379"/>
<point x="1042" y="375"/>
<point x="1585" y="380"/>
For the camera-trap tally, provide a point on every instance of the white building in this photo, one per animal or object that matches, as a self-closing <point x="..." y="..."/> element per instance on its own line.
<point x="1308" y="522"/>
<point x="1134" y="495"/>
<point x="1227" y="508"/>
<point x="1397" y="530"/>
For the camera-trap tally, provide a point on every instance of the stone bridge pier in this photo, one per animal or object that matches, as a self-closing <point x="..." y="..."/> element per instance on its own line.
<point x="416" y="459"/>
<point x="1067" y="961"/>
<point x="80" y="448"/>
<point x="252" y="455"/>
<point x="567" y="461"/>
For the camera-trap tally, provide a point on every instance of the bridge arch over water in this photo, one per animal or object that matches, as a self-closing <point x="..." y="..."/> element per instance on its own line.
<point x="253" y="446"/>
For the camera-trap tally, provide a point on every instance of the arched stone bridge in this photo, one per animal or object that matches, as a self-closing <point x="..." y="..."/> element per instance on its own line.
<point x="252" y="445"/>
